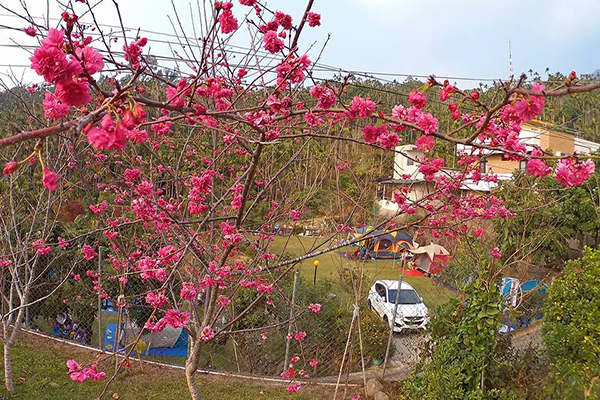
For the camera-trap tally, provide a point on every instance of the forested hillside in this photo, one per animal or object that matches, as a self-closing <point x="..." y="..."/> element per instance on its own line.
<point x="339" y="188"/>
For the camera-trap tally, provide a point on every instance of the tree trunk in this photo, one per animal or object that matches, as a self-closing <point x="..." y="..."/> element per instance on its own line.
<point x="8" y="379"/>
<point x="191" y="366"/>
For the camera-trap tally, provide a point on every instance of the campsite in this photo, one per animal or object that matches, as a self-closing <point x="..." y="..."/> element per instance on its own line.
<point x="347" y="200"/>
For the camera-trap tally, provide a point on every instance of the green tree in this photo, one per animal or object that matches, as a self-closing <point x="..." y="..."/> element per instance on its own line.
<point x="463" y="359"/>
<point x="546" y="214"/>
<point x="571" y="330"/>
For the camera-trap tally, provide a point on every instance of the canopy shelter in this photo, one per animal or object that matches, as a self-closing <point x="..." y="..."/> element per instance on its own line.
<point x="389" y="245"/>
<point x="431" y="259"/>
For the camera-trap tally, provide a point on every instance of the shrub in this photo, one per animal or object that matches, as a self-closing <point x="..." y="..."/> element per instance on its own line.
<point x="571" y="330"/>
<point x="375" y="332"/>
<point x="463" y="359"/>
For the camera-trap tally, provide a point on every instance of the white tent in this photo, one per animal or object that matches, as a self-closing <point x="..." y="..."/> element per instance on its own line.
<point x="431" y="259"/>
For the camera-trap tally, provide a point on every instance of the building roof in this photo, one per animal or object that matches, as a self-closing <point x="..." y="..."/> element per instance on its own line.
<point x="400" y="181"/>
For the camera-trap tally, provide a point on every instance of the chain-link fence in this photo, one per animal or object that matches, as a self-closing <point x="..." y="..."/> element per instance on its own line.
<point x="332" y="322"/>
<point x="306" y="322"/>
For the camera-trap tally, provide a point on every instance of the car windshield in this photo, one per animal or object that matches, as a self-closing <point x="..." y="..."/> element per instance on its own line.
<point x="407" y="296"/>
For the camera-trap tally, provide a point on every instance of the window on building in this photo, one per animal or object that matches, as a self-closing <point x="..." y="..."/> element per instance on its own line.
<point x="523" y="165"/>
<point x="484" y="165"/>
<point x="410" y="162"/>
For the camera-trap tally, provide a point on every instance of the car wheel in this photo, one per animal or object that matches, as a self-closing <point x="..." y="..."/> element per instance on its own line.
<point x="370" y="305"/>
<point x="387" y="321"/>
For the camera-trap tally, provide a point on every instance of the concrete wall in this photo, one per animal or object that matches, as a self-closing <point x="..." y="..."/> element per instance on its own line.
<point x="501" y="166"/>
<point x="560" y="143"/>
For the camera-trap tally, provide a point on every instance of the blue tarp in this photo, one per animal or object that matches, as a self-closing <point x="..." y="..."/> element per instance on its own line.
<point x="179" y="349"/>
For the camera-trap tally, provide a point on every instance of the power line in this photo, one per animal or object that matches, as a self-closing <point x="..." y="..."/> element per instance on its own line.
<point x="318" y="67"/>
<point x="326" y="67"/>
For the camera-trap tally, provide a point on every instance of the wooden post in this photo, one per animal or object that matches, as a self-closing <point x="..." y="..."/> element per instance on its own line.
<point x="287" y="344"/>
<point x="100" y="333"/>
<point x="393" y="322"/>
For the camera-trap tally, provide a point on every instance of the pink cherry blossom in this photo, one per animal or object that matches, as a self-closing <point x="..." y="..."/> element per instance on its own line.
<point x="496" y="253"/>
<point x="371" y="133"/>
<point x="236" y="203"/>
<point x="388" y="140"/>
<point x="156" y="300"/>
<point x="53" y="108"/>
<point x="10" y="167"/>
<point x="134" y="51"/>
<point x="228" y="22"/>
<point x="40" y="247"/>
<point x="62" y="243"/>
<point x="272" y="43"/>
<point x="528" y="108"/>
<point x="294" y="388"/>
<point x="176" y="318"/>
<point x="570" y="172"/>
<point x="428" y="123"/>
<point x="88" y="252"/>
<point x="100" y="208"/>
<point x="430" y="168"/>
<point x="30" y="30"/>
<point x="478" y="232"/>
<point x="223" y="301"/>
<point x="360" y="107"/>
<point x="417" y="99"/>
<point x="110" y="136"/>
<point x="446" y="91"/>
<point x="49" y="179"/>
<point x="157" y="326"/>
<point x="314" y="307"/>
<point x="132" y="175"/>
<point x="314" y="19"/>
<point x="206" y="334"/>
<point x="425" y="143"/>
<point x="295" y="214"/>
<point x="188" y="291"/>
<point x="91" y="59"/>
<point x="537" y="167"/>
<point x="292" y="69"/>
<point x="285" y="20"/>
<point x="73" y="92"/>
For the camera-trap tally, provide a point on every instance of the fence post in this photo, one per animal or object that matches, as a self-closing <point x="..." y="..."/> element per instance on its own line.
<point x="287" y="343"/>
<point x="99" y="298"/>
<point x="393" y="322"/>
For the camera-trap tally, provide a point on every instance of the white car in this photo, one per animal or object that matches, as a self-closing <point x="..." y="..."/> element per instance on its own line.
<point x="412" y="312"/>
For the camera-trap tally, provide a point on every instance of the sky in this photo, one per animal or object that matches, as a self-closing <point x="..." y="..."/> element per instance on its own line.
<point x="447" y="38"/>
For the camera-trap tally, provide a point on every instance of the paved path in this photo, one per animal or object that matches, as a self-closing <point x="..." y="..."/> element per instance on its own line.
<point x="408" y="346"/>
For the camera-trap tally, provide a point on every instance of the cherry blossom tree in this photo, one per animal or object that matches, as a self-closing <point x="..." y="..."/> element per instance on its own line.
<point x="29" y="252"/>
<point x="174" y="170"/>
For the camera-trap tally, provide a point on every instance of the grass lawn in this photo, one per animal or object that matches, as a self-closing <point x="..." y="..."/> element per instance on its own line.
<point x="40" y="373"/>
<point x="433" y="295"/>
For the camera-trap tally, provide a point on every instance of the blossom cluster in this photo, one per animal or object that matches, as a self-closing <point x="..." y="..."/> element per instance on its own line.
<point x="79" y="373"/>
<point x="69" y="73"/>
